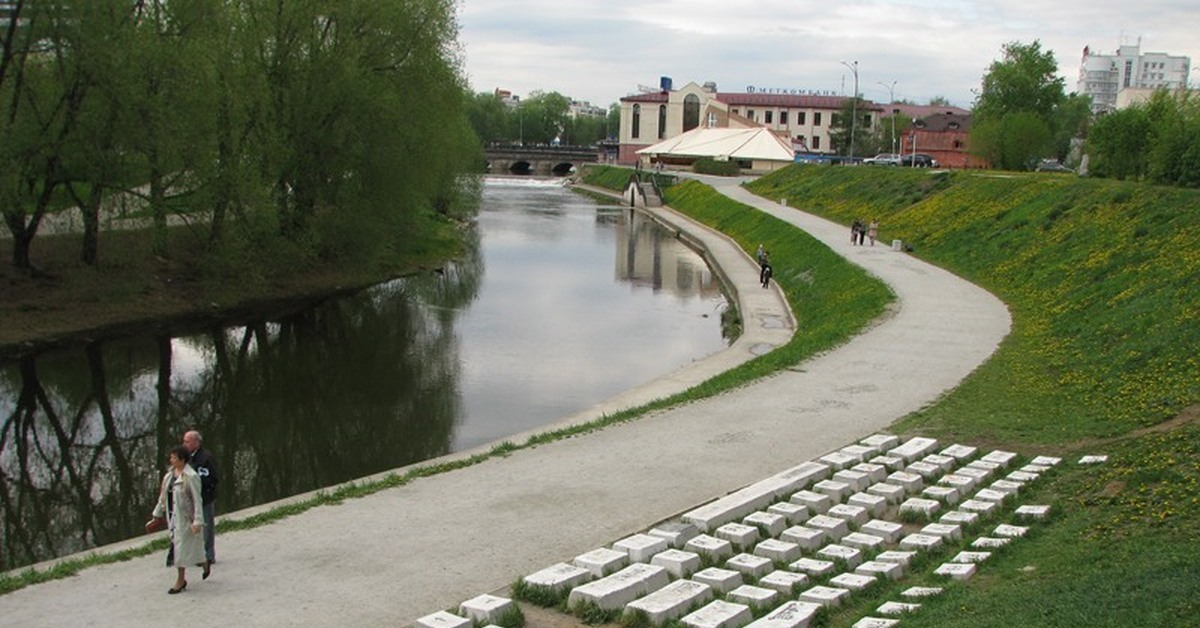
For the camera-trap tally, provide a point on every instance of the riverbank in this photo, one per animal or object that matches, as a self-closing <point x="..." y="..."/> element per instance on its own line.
<point x="66" y="301"/>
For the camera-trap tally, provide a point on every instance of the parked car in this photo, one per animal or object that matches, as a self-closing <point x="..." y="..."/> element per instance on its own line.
<point x="918" y="160"/>
<point x="883" y="159"/>
<point x="1052" y="165"/>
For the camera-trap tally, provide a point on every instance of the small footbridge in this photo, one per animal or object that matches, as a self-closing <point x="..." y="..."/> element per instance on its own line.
<point x="556" y="161"/>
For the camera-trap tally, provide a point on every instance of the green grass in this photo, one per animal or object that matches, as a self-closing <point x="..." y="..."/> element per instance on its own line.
<point x="1101" y="279"/>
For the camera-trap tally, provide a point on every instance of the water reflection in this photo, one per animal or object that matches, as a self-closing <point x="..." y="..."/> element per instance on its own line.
<point x="578" y="303"/>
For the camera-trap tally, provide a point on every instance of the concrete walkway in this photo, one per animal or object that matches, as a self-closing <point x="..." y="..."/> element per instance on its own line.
<point x="390" y="558"/>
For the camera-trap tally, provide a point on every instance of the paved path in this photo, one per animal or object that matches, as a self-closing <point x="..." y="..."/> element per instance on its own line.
<point x="400" y="554"/>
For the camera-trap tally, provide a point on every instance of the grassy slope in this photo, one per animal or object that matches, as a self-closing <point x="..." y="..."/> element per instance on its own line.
<point x="1101" y="277"/>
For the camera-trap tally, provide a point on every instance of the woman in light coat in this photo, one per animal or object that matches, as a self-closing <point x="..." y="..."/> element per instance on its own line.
<point x="179" y="501"/>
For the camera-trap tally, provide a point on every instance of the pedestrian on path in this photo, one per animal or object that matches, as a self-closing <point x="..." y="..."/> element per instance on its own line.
<point x="765" y="275"/>
<point x="179" y="502"/>
<point x="873" y="230"/>
<point x="205" y="465"/>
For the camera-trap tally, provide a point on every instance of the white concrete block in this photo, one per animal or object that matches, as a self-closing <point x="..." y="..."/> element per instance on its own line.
<point x="914" y="448"/>
<point x="971" y="557"/>
<point x="945" y="463"/>
<point x="990" y="495"/>
<point x="876" y="472"/>
<point x="854" y="515"/>
<point x="794" y="513"/>
<point x="1031" y="511"/>
<point x="788" y="583"/>
<point x="736" y="505"/>
<point x="861" y="453"/>
<point x="868" y="543"/>
<point x="875" y="622"/>
<point x="948" y="532"/>
<point x="675" y="533"/>
<point x="800" y="477"/>
<point x="988" y="542"/>
<point x="960" y="518"/>
<point x="838" y="460"/>
<point x="978" y="475"/>
<point x="852" y="581"/>
<point x="929" y="472"/>
<point x="1006" y="486"/>
<point x="911" y="482"/>
<point x="890" y="531"/>
<point x="963" y="484"/>
<point x="1035" y="468"/>
<point x="889" y="462"/>
<point x="897" y="608"/>
<point x="754" y="597"/>
<point x="961" y="453"/>
<point x="924" y="507"/>
<point x="672" y="601"/>
<point x="809" y="539"/>
<point x="750" y="565"/>
<point x="984" y="508"/>
<point x="641" y="547"/>
<point x="944" y="494"/>
<point x="558" y="577"/>
<point x="837" y="491"/>
<point x="825" y="596"/>
<point x="1022" y="477"/>
<point x="833" y="527"/>
<point x="769" y="523"/>
<point x="1002" y="458"/>
<point x="721" y="580"/>
<point x="615" y="591"/>
<point x="1010" y="531"/>
<point x="1095" y="459"/>
<point x="956" y="571"/>
<point x="813" y="567"/>
<point x="920" y="592"/>
<point x="789" y="615"/>
<point x="921" y="542"/>
<point x="881" y="569"/>
<point x="602" y="562"/>
<point x="486" y="609"/>
<point x="778" y="551"/>
<point x="899" y="557"/>
<point x="857" y="480"/>
<point x="1046" y="461"/>
<point x="442" y="619"/>
<point x="705" y="545"/>
<point x="719" y="614"/>
<point x="852" y="557"/>
<point x="875" y="505"/>
<point x="893" y="493"/>
<point x="740" y="535"/>
<point x="816" y="503"/>
<point x="678" y="563"/>
<point x="882" y="442"/>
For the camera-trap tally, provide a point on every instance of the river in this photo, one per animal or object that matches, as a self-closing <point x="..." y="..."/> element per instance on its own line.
<point x="563" y="303"/>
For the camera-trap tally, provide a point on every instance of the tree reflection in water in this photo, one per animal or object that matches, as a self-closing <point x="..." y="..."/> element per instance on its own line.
<point x="289" y="403"/>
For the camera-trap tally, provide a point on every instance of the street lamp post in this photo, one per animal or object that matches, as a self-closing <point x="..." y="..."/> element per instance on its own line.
<point x="853" y="106"/>
<point x="891" y="101"/>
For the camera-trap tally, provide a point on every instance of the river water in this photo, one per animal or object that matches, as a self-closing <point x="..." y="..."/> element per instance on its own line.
<point x="562" y="304"/>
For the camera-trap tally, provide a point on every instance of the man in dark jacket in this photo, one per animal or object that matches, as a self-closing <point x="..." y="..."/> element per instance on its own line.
<point x="206" y="467"/>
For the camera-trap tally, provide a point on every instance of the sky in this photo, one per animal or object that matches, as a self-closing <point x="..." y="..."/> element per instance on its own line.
<point x="602" y="50"/>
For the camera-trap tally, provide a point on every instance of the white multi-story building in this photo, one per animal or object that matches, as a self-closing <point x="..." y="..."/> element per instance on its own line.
<point x="1103" y="77"/>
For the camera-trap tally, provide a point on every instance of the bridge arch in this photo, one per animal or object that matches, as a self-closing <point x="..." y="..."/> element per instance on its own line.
<point x="520" y="167"/>
<point x="563" y="169"/>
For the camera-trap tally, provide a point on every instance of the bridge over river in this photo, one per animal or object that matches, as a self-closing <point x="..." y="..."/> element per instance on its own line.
<point x="540" y="160"/>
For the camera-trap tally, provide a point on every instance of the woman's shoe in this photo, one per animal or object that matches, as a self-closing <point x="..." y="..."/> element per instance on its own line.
<point x="207" y="568"/>
<point x="174" y="590"/>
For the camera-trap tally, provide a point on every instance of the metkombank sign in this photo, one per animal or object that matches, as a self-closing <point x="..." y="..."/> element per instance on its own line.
<point x="787" y="91"/>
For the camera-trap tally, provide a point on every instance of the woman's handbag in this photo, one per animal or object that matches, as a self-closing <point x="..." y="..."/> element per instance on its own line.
<point x="156" y="524"/>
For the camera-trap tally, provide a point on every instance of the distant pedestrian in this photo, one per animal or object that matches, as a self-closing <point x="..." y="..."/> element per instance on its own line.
<point x="205" y="465"/>
<point x="179" y="503"/>
<point x="856" y="231"/>
<point x="873" y="230"/>
<point x="760" y="255"/>
<point x="765" y="275"/>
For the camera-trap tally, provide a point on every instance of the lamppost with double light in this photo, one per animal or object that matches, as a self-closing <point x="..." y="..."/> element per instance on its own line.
<point x="853" y="65"/>
<point x="891" y="101"/>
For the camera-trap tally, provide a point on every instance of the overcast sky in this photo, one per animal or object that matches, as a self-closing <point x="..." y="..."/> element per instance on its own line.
<point x="602" y="50"/>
